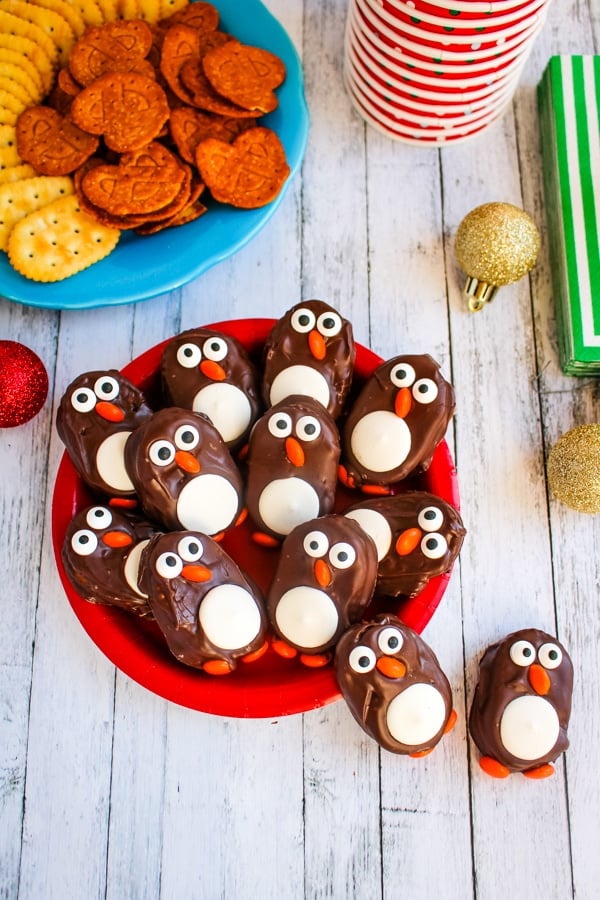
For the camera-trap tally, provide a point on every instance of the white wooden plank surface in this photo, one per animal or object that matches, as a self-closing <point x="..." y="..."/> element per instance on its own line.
<point x="109" y="791"/>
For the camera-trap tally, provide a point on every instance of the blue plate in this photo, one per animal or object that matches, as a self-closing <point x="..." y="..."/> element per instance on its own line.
<point x="143" y="267"/>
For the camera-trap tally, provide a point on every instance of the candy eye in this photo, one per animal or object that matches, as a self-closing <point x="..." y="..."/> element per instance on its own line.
<point x="187" y="437"/>
<point x="303" y="320"/>
<point x="83" y="400"/>
<point x="316" y="544"/>
<point x="161" y="453"/>
<point x="280" y="425"/>
<point x="434" y="546"/>
<point x="329" y="324"/>
<point x="308" y="428"/>
<point x="189" y="356"/>
<point x="402" y="375"/>
<point x="106" y="388"/>
<point x="522" y="653"/>
<point x="362" y="659"/>
<point x="84" y="542"/>
<point x="550" y="656"/>
<point x="190" y="549"/>
<point x="430" y="519"/>
<point x="390" y="640"/>
<point x="342" y="555"/>
<point x="215" y="348"/>
<point x="425" y="390"/>
<point x="98" y="517"/>
<point x="169" y="565"/>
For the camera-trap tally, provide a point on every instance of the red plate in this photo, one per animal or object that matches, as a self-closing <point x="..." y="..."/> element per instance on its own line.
<point x="271" y="686"/>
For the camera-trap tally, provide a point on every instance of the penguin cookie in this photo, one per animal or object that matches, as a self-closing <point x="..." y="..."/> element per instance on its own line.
<point x="96" y="415"/>
<point x="101" y="554"/>
<point x="292" y="466"/>
<point x="323" y="583"/>
<point x="522" y="704"/>
<point x="183" y="472"/>
<point x="211" y="373"/>
<point x="310" y="351"/>
<point x="394" y="686"/>
<point x="418" y="536"/>
<point x="395" y="424"/>
<point x="209" y="613"/>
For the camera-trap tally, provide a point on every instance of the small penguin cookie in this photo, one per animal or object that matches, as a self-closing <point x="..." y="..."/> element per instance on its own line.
<point x="310" y="351"/>
<point x="397" y="421"/>
<point x="292" y="467"/>
<point x="209" y="613"/>
<point x="418" y="536"/>
<point x="97" y="414"/>
<point x="101" y="554"/>
<point x="393" y="685"/>
<point x="183" y="472"/>
<point x="522" y="704"/>
<point x="323" y="583"/>
<point x="211" y="373"/>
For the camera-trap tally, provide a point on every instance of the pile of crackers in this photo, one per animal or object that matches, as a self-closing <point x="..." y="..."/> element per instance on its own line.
<point x="125" y="114"/>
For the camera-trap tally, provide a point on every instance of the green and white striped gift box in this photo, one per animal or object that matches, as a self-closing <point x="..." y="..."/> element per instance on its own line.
<point x="569" y="105"/>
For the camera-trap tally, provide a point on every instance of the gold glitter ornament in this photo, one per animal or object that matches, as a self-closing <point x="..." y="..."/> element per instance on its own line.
<point x="574" y="468"/>
<point x="495" y="244"/>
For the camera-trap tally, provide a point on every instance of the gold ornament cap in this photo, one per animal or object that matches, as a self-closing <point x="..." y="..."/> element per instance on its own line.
<point x="495" y="244"/>
<point x="574" y="469"/>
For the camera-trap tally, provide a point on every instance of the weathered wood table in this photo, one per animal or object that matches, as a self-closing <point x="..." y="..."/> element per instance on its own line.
<point x="110" y="791"/>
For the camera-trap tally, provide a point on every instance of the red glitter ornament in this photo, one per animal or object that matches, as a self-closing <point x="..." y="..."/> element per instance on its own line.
<point x="23" y="384"/>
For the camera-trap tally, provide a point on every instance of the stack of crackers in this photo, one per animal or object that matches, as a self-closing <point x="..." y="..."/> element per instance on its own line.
<point x="124" y="114"/>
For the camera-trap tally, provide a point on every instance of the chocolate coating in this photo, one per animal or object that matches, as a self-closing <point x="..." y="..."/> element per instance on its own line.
<point x="323" y="582"/>
<point x="211" y="373"/>
<point x="310" y="351"/>
<point x="397" y="421"/>
<point x="101" y="556"/>
<point x="418" y="536"/>
<point x="203" y="603"/>
<point x="183" y="472"/>
<point x="528" y="665"/>
<point x="393" y="685"/>
<point x="97" y="413"/>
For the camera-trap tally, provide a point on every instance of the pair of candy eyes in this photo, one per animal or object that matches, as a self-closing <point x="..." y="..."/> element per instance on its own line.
<point x="328" y="324"/>
<point x="341" y="555"/>
<point x="363" y="659"/>
<point x="84" y="399"/>
<point x="308" y="428"/>
<point x="429" y="520"/>
<point x="84" y="541"/>
<point x="190" y="355"/>
<point x="170" y="564"/>
<point x="162" y="452"/>
<point x="424" y="390"/>
<point x="523" y="654"/>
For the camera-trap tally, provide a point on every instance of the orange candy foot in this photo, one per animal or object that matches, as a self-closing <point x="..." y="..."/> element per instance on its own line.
<point x="544" y="771"/>
<point x="376" y="490"/>
<point x="315" y="660"/>
<point x="347" y="480"/>
<point x="492" y="767"/>
<point x="283" y="649"/>
<point x="451" y="722"/>
<point x="265" y="540"/>
<point x="217" y="667"/>
<point x="252" y="657"/>
<point x="419" y="753"/>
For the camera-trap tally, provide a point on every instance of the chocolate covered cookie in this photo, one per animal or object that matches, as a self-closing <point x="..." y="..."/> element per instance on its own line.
<point x="393" y="685"/>
<point x="211" y="373"/>
<point x="418" y="536"/>
<point x="522" y="704"/>
<point x="183" y="472"/>
<point x="310" y="351"/>
<point x="397" y="421"/>
<point x="209" y="612"/>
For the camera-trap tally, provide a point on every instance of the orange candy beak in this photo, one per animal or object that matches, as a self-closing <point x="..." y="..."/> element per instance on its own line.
<point x="294" y="451"/>
<point x="187" y="462"/>
<point x="196" y="573"/>
<point x="408" y="541"/>
<point x="322" y="573"/>
<point x="539" y="679"/>
<point x="109" y="411"/>
<point x="403" y="403"/>
<point x="316" y="345"/>
<point x="212" y="370"/>
<point x="116" y="539"/>
<point x="391" y="667"/>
